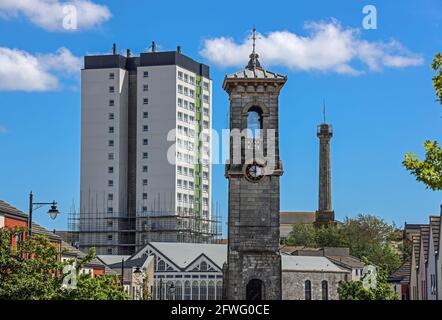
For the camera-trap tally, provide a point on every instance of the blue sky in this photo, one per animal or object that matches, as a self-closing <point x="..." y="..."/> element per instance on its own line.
<point x="378" y="114"/>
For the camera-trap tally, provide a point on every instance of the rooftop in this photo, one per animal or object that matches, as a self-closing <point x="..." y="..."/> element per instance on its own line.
<point x="307" y="263"/>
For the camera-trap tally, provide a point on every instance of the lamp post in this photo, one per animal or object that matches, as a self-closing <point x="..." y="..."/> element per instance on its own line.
<point x="122" y="273"/>
<point x="53" y="212"/>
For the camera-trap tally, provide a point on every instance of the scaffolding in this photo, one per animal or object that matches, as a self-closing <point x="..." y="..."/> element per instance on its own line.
<point x="120" y="233"/>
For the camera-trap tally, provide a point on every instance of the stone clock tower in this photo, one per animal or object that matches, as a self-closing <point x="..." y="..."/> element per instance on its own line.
<point x="253" y="269"/>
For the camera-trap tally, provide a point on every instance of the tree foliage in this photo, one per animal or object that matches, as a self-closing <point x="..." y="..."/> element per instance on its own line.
<point x="429" y="170"/>
<point x="354" y="290"/>
<point x="32" y="270"/>
<point x="366" y="236"/>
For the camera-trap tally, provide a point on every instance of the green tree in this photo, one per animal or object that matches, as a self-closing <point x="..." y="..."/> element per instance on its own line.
<point x="32" y="270"/>
<point x="354" y="290"/>
<point x="302" y="234"/>
<point x="105" y="287"/>
<point x="429" y="170"/>
<point x="27" y="270"/>
<point x="366" y="236"/>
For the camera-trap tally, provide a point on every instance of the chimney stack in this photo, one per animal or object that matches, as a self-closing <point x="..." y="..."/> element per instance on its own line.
<point x="154" y="46"/>
<point x="178" y="49"/>
<point x="128" y="53"/>
<point x="114" y="49"/>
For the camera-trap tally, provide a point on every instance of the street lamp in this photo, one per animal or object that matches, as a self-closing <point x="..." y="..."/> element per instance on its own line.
<point x="53" y="212"/>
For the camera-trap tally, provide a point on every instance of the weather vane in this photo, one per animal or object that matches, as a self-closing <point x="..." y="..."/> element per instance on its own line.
<point x="254" y="37"/>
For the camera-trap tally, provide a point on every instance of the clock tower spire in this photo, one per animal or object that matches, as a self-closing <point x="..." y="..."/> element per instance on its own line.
<point x="253" y="269"/>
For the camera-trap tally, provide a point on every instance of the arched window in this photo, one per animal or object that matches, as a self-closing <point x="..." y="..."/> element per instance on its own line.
<point x="254" y="122"/>
<point x="203" y="266"/>
<point x="308" y="290"/>
<point x="161" y="265"/>
<point x="219" y="290"/>
<point x="211" y="291"/>
<point x="179" y="291"/>
<point x="203" y="290"/>
<point x="187" y="292"/>
<point x="195" y="290"/>
<point x="169" y="295"/>
<point x="324" y="285"/>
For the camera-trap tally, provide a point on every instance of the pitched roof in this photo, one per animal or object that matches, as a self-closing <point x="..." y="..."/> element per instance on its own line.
<point x="425" y="237"/>
<point x="297" y="217"/>
<point x="308" y="263"/>
<point x="347" y="261"/>
<point x="402" y="274"/>
<point x="69" y="250"/>
<point x="435" y="230"/>
<point x="416" y="241"/>
<point x="8" y="209"/>
<point x="37" y="229"/>
<point x="131" y="263"/>
<point x="182" y="254"/>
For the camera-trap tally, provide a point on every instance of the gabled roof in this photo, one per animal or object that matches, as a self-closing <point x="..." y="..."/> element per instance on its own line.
<point x="306" y="264"/>
<point x="6" y="208"/>
<point x="435" y="230"/>
<point x="182" y="254"/>
<point x="68" y="250"/>
<point x="131" y="263"/>
<point x="425" y="237"/>
<point x="402" y="274"/>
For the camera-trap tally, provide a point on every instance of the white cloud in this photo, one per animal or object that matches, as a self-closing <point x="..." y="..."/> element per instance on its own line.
<point x="328" y="47"/>
<point x="22" y="71"/>
<point x="49" y="14"/>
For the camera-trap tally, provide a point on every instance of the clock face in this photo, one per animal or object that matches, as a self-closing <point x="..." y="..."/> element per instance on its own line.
<point x="254" y="172"/>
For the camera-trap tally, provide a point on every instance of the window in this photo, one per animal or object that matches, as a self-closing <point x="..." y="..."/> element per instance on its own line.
<point x="144" y="196"/>
<point x="110" y="156"/>
<point x="145" y="101"/>
<point x="144" y="182"/>
<point x="110" y="183"/>
<point x="186" y="78"/>
<point x="144" y="209"/>
<point x="195" y="290"/>
<point x="180" y="75"/>
<point x="111" y="116"/>
<point x="110" y="169"/>
<point x="145" y="128"/>
<point x="109" y="250"/>
<point x="145" y="87"/>
<point x="192" y="80"/>
<point x="324" y="286"/>
<point x="111" y="143"/>
<point x="111" y="89"/>
<point x="145" y="115"/>
<point x="219" y="290"/>
<point x="110" y="223"/>
<point x="111" y="76"/>
<point x="111" y="129"/>
<point x="308" y="290"/>
<point x="161" y="266"/>
<point x="110" y="196"/>
<point x="203" y="266"/>
<point x="110" y="210"/>
<point x="203" y="290"/>
<point x="111" y="103"/>
<point x="206" y="98"/>
<point x="145" y="142"/>
<point x="146" y="74"/>
<point x="145" y="155"/>
<point x="187" y="291"/>
<point x="254" y="122"/>
<point x="144" y="168"/>
<point x="192" y="93"/>
<point x="180" y="89"/>
<point x="206" y="85"/>
<point x="109" y="237"/>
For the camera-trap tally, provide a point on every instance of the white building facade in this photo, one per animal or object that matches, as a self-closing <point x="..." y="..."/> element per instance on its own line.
<point x="145" y="171"/>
